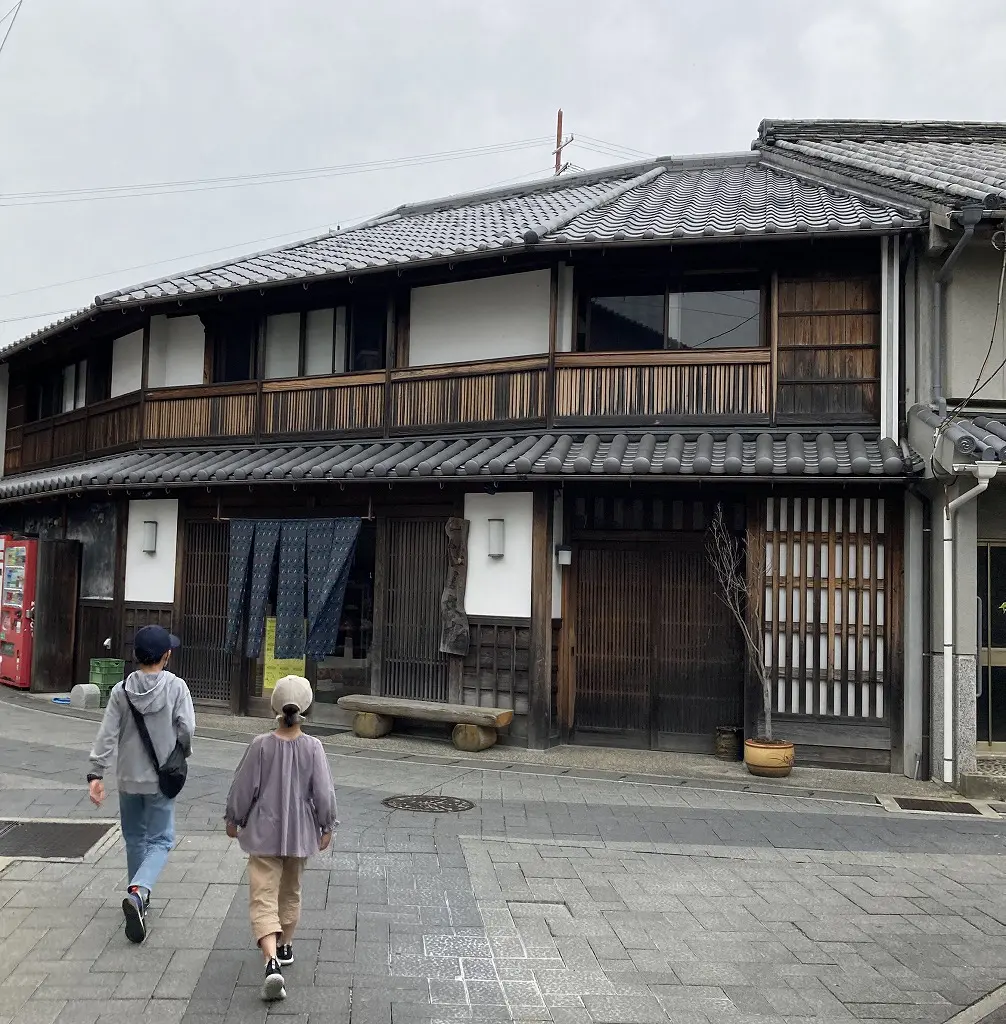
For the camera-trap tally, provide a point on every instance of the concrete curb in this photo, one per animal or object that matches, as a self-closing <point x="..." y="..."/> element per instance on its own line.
<point x="524" y="768"/>
<point x="977" y="1012"/>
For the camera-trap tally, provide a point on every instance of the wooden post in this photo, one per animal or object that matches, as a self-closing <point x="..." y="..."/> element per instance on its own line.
<point x="773" y="319"/>
<point x="553" y="340"/>
<point x="894" y="667"/>
<point x="540" y="682"/>
<point x="755" y="550"/>
<point x="119" y="589"/>
<point x="381" y="562"/>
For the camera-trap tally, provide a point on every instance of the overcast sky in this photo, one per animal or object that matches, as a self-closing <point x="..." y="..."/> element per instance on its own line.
<point x="98" y="93"/>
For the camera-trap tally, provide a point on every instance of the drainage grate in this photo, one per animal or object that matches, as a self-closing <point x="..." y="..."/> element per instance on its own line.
<point x="49" y="839"/>
<point x="428" y="804"/>
<point x="943" y="806"/>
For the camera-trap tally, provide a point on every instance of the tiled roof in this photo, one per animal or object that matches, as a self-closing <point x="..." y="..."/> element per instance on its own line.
<point x="941" y="162"/>
<point x="977" y="437"/>
<point x="666" y="199"/>
<point x="538" y="455"/>
<point x="724" y="197"/>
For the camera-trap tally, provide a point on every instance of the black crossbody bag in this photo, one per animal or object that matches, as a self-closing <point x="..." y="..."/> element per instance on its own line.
<point x="172" y="774"/>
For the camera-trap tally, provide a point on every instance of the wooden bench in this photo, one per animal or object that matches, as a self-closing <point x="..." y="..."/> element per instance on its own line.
<point x="475" y="728"/>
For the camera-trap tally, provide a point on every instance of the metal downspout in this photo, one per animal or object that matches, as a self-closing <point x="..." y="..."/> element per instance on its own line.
<point x="969" y="217"/>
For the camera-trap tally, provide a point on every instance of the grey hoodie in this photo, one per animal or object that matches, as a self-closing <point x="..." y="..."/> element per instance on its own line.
<point x="166" y="705"/>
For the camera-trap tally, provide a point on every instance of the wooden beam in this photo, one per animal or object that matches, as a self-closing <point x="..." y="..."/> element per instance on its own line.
<point x="426" y="710"/>
<point x="540" y="681"/>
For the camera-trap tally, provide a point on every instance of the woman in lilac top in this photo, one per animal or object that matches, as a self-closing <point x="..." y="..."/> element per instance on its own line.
<point x="281" y="809"/>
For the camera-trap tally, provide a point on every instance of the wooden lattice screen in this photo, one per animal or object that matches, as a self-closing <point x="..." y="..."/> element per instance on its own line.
<point x="826" y="605"/>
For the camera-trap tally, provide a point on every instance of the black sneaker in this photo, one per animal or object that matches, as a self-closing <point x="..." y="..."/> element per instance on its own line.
<point x="273" y="987"/>
<point x="134" y="910"/>
<point x="284" y="954"/>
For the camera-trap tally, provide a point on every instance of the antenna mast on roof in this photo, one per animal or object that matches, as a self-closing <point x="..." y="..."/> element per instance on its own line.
<point x="560" y="144"/>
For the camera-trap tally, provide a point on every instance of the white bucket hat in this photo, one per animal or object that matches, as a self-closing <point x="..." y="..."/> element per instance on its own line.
<point x="291" y="691"/>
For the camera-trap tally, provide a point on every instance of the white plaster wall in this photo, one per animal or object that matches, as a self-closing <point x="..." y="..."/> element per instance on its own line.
<point x="970" y="312"/>
<point x="127" y="364"/>
<point x="566" y="313"/>
<point x="499" y="586"/>
<point x="4" y="387"/>
<point x="151" y="577"/>
<point x="491" y="318"/>
<point x="177" y="351"/>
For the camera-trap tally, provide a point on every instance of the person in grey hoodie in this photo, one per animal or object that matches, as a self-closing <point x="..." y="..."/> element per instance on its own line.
<point x="146" y="815"/>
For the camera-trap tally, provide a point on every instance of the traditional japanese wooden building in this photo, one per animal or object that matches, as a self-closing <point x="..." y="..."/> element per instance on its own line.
<point x="582" y="369"/>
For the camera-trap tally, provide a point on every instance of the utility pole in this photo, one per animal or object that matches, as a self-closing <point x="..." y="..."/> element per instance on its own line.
<point x="560" y="144"/>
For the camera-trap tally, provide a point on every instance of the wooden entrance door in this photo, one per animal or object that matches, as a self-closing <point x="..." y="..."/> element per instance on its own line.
<point x="658" y="660"/>
<point x="412" y="665"/>
<point x="202" y="660"/>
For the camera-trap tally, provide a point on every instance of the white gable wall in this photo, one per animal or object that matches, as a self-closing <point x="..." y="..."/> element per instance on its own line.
<point x="490" y="318"/>
<point x="970" y="313"/>
<point x="177" y="351"/>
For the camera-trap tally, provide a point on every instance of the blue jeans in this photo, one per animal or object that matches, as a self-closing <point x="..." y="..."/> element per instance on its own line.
<point x="148" y="827"/>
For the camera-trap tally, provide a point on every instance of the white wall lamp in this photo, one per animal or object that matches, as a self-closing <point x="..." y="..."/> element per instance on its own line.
<point x="496" y="544"/>
<point x="149" y="537"/>
<point x="563" y="554"/>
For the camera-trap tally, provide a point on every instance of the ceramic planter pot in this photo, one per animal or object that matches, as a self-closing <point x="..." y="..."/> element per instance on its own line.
<point x="769" y="759"/>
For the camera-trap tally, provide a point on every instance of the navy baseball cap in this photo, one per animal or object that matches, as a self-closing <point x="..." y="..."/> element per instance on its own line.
<point x="153" y="642"/>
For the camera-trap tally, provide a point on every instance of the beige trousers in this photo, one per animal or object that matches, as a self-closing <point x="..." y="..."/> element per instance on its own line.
<point x="274" y="894"/>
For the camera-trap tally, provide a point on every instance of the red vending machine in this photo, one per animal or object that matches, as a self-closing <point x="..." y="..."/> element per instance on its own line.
<point x="38" y="611"/>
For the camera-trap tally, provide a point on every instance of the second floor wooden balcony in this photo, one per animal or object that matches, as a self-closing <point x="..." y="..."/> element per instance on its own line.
<point x="607" y="391"/>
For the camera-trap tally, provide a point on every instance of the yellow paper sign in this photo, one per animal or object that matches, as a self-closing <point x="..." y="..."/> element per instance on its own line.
<point x="275" y="668"/>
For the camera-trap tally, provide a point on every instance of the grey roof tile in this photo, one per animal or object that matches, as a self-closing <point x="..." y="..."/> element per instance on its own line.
<point x="977" y="436"/>
<point x="651" y="455"/>
<point x="665" y="199"/>
<point x="941" y="162"/>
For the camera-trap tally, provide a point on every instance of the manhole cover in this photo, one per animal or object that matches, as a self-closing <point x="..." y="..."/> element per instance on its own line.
<point x="45" y="839"/>
<point x="428" y="804"/>
<point x="944" y="806"/>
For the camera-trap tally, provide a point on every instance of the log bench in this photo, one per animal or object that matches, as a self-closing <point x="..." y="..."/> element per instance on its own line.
<point x="475" y="728"/>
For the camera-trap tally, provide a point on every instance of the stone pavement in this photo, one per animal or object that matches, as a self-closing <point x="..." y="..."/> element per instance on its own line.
<point x="555" y="899"/>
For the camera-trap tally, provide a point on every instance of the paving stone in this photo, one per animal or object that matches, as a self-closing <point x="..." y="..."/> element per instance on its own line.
<point x="669" y="904"/>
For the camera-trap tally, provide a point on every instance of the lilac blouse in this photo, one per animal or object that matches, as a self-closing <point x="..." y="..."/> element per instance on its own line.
<point x="282" y="797"/>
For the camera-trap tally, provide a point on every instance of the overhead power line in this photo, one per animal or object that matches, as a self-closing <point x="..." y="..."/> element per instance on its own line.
<point x="158" y="188"/>
<point x="613" y="146"/>
<point x="295" y="236"/>
<point x="12" y="14"/>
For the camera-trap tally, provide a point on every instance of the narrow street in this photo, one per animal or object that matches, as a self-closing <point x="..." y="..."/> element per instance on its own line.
<point x="552" y="899"/>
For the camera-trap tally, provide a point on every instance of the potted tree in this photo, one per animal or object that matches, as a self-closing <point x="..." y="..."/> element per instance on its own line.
<point x="764" y="755"/>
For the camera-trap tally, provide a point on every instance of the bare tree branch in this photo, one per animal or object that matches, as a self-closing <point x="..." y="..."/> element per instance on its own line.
<point x="728" y="557"/>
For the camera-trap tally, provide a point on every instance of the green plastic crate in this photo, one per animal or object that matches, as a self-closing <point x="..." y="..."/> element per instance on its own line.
<point x="105" y="673"/>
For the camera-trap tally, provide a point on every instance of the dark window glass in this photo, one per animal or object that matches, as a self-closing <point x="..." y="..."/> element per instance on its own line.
<point x="369" y="330"/>
<point x="233" y="339"/>
<point x="714" y="319"/>
<point x="997" y="594"/>
<point x="98" y="374"/>
<point x="625" y="323"/>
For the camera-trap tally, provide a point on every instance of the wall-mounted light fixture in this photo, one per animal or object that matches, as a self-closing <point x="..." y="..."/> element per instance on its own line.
<point x="563" y="554"/>
<point x="149" y="537"/>
<point x="496" y="544"/>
